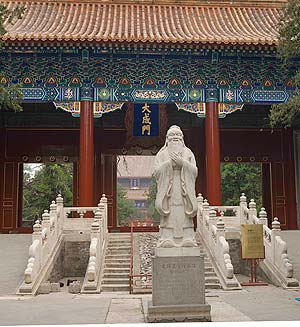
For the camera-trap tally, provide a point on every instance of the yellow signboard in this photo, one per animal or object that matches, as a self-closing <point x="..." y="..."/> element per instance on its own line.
<point x="252" y="241"/>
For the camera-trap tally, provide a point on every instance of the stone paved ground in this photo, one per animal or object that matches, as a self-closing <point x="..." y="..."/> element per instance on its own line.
<point x="13" y="259"/>
<point x="260" y="303"/>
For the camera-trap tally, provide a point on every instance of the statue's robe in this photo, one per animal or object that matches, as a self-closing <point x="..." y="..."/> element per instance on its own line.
<point x="176" y="200"/>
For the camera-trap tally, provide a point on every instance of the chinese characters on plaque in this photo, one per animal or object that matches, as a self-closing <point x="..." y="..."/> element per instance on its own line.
<point x="146" y="119"/>
<point x="252" y="241"/>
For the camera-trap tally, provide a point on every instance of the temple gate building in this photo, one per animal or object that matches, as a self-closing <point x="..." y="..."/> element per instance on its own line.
<point x="107" y="78"/>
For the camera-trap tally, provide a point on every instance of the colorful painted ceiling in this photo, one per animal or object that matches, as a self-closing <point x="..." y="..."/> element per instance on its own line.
<point x="206" y="22"/>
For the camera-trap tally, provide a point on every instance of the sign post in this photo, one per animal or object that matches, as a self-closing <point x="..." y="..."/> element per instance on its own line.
<point x="253" y="250"/>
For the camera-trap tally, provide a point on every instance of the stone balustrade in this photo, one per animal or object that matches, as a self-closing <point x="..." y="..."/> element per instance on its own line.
<point x="49" y="232"/>
<point x="212" y="231"/>
<point x="276" y="264"/>
<point x="276" y="256"/>
<point x="97" y="246"/>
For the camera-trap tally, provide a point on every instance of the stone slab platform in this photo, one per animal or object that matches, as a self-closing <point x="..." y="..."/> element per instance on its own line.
<point x="179" y="313"/>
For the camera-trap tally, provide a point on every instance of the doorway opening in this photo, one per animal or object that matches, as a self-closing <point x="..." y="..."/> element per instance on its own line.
<point x="136" y="190"/>
<point x="42" y="182"/>
<point x="238" y="178"/>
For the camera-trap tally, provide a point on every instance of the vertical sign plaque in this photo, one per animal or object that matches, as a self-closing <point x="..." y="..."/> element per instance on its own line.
<point x="252" y="241"/>
<point x="146" y="119"/>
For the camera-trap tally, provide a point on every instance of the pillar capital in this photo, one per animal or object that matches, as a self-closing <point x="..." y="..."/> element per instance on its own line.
<point x="211" y="95"/>
<point x="87" y="93"/>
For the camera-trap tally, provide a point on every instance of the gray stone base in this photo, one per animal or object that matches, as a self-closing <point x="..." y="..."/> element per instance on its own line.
<point x="172" y="313"/>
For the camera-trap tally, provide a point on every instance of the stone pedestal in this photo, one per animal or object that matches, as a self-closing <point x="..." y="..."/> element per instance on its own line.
<point x="178" y="290"/>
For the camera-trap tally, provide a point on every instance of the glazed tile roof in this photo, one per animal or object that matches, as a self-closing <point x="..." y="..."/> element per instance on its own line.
<point x="121" y="21"/>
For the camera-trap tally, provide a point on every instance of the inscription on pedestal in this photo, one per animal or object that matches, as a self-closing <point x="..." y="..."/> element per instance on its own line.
<point x="178" y="280"/>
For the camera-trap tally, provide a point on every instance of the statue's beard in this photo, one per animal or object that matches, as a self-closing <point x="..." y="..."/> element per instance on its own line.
<point x="175" y="146"/>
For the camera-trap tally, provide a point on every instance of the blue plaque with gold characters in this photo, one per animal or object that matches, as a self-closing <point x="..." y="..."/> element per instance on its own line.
<point x="146" y="119"/>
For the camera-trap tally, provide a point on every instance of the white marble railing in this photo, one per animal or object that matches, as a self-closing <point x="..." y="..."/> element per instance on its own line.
<point x="44" y="237"/>
<point x="97" y="246"/>
<point x="212" y="231"/>
<point x="276" y="263"/>
<point x="276" y="256"/>
<point x="48" y="232"/>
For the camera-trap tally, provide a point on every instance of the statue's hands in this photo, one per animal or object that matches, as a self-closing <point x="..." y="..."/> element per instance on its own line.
<point x="177" y="158"/>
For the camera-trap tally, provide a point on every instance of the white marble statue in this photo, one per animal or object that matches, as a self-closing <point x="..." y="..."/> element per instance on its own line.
<point x="175" y="172"/>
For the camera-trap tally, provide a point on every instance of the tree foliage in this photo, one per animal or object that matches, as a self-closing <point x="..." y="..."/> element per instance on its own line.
<point x="42" y="188"/>
<point x="287" y="114"/>
<point x="125" y="207"/>
<point x="10" y="96"/>
<point x="238" y="178"/>
<point x="152" y="212"/>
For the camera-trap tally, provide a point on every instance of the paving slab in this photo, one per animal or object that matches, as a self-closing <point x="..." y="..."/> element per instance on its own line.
<point x="264" y="303"/>
<point x="55" y="308"/>
<point x="125" y="311"/>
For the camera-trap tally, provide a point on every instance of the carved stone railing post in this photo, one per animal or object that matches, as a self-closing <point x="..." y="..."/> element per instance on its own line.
<point x="244" y="209"/>
<point x="205" y="214"/>
<point x="212" y="217"/>
<point x="263" y="217"/>
<point x="200" y="198"/>
<point x="276" y="230"/>
<point x="37" y="232"/>
<point x="46" y="234"/>
<point x="200" y="212"/>
<point x="220" y="227"/>
<point x="104" y="201"/>
<point x="53" y="215"/>
<point x="93" y="260"/>
<point x="252" y="211"/>
<point x="99" y="218"/>
<point x="35" y="254"/>
<point x="46" y="224"/>
<point x="60" y="213"/>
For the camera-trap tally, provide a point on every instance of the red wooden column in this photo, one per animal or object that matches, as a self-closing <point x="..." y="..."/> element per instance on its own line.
<point x="212" y="134"/>
<point x="86" y="157"/>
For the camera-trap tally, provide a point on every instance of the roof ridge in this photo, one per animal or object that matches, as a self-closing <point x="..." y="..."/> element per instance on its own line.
<point x="179" y="3"/>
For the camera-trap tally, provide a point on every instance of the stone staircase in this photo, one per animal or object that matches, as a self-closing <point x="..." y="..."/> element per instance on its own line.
<point x="212" y="281"/>
<point x="115" y="277"/>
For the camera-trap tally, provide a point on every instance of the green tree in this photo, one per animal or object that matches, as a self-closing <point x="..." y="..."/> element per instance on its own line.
<point x="10" y="95"/>
<point x="287" y="114"/>
<point x="42" y="188"/>
<point x="152" y="212"/>
<point x="238" y="178"/>
<point x="125" y="207"/>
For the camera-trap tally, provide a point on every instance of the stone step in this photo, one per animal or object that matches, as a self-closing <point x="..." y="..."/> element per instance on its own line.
<point x="209" y="268"/>
<point x="113" y="281"/>
<point x="119" y="242"/>
<point x="212" y="279"/>
<point x="114" y="247"/>
<point x="117" y="265"/>
<point x="114" y="270"/>
<point x="120" y="260"/>
<point x="116" y="275"/>
<point x="213" y="286"/>
<point x="119" y="237"/>
<point x="210" y="274"/>
<point x="117" y="256"/>
<point x="115" y="288"/>
<point x="115" y="252"/>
